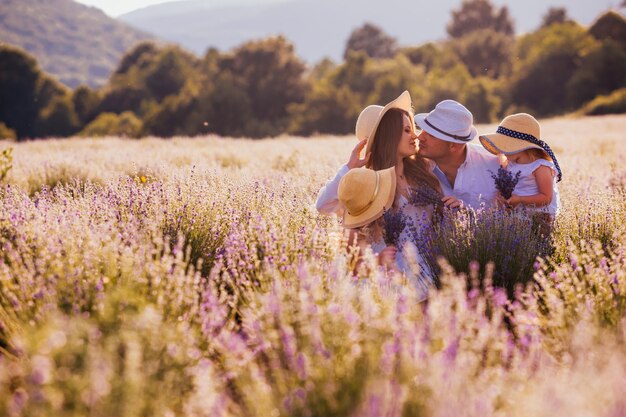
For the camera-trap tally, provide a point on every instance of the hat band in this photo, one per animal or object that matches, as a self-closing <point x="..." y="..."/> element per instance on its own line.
<point x="369" y="204"/>
<point x="464" y="138"/>
<point x="535" y="141"/>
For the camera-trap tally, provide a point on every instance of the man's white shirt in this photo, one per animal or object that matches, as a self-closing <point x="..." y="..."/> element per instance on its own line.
<point x="473" y="184"/>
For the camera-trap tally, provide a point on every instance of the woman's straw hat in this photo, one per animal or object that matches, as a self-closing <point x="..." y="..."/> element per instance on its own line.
<point x="366" y="194"/>
<point x="370" y="117"/>
<point x="516" y="133"/>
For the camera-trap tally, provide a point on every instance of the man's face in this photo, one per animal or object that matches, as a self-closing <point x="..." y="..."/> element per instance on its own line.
<point x="432" y="147"/>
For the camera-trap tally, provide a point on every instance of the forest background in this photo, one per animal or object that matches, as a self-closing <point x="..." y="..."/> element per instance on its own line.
<point x="263" y="89"/>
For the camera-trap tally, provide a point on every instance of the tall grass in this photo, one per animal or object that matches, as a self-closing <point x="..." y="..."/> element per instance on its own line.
<point x="195" y="278"/>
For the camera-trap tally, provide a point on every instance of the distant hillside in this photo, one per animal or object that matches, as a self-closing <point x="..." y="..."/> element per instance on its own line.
<point x="76" y="43"/>
<point x="320" y="28"/>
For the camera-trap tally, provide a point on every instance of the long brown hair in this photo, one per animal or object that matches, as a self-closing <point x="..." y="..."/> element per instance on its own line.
<point x="385" y="149"/>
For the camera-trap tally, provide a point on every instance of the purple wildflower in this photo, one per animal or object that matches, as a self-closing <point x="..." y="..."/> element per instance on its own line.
<point x="505" y="181"/>
<point x="394" y="224"/>
<point x="423" y="196"/>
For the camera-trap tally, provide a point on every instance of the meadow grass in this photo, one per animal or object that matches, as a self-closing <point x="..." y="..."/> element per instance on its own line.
<point x="194" y="277"/>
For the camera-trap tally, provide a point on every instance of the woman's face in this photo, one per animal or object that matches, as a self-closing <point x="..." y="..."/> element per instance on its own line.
<point x="408" y="144"/>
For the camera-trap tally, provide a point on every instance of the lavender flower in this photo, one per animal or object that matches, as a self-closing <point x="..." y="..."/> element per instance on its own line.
<point x="423" y="196"/>
<point x="394" y="223"/>
<point x="505" y="181"/>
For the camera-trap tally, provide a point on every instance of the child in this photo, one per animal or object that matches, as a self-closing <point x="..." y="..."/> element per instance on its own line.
<point x="365" y="195"/>
<point x="517" y="140"/>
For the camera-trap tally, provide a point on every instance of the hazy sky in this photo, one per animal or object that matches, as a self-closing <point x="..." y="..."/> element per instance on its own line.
<point x="117" y="7"/>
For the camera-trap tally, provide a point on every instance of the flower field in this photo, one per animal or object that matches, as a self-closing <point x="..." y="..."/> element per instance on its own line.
<point x="194" y="277"/>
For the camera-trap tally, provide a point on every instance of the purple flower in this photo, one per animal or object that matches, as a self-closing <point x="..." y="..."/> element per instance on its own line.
<point x="505" y="181"/>
<point x="394" y="224"/>
<point x="423" y="196"/>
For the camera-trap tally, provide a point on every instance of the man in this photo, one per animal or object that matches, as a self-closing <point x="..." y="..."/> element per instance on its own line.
<point x="462" y="168"/>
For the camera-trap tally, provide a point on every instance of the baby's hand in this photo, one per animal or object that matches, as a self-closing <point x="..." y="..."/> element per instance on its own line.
<point x="387" y="257"/>
<point x="514" y="201"/>
<point x="501" y="201"/>
<point x="452" y="202"/>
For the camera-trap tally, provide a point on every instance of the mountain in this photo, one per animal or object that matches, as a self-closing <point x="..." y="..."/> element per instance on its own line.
<point x="76" y="43"/>
<point x="320" y="28"/>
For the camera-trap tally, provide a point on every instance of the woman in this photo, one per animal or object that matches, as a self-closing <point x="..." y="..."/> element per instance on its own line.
<point x="389" y="137"/>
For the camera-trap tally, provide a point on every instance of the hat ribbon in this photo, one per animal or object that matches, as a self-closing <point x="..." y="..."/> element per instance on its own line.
<point x="530" y="138"/>
<point x="369" y="204"/>
<point x="464" y="138"/>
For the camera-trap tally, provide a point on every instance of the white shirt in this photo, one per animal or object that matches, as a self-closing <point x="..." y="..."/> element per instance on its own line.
<point x="473" y="184"/>
<point x="327" y="200"/>
<point x="527" y="184"/>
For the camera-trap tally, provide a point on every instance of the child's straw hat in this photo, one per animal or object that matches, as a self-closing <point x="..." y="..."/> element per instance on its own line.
<point x="516" y="133"/>
<point x="366" y="194"/>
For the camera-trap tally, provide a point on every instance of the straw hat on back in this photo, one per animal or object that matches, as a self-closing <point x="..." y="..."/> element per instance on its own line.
<point x="366" y="194"/>
<point x="370" y="117"/>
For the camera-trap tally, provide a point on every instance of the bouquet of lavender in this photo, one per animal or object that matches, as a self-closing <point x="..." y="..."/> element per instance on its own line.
<point x="394" y="223"/>
<point x="505" y="181"/>
<point x="423" y="196"/>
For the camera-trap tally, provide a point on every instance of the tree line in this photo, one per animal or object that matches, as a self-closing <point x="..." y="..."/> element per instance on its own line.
<point x="262" y="88"/>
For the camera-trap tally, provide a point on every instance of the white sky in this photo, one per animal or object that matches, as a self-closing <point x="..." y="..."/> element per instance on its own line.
<point x="115" y="8"/>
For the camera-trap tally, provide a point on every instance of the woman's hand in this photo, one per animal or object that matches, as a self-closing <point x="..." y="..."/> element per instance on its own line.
<point x="387" y="257"/>
<point x="451" y="202"/>
<point x="355" y="160"/>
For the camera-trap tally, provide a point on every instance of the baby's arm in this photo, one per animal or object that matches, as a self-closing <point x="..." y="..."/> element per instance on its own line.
<point x="543" y="177"/>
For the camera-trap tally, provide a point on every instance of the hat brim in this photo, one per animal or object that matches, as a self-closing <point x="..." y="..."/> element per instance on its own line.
<point x="402" y="102"/>
<point x="498" y="143"/>
<point x="382" y="202"/>
<point x="421" y="123"/>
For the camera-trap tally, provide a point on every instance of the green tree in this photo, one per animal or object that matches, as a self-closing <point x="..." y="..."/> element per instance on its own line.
<point x="479" y="14"/>
<point x="6" y="133"/>
<point x="146" y="76"/>
<point x="111" y="124"/>
<point x="138" y="57"/>
<point x="19" y="81"/>
<point x="271" y="76"/>
<point x="482" y="101"/>
<point x="226" y="110"/>
<point x="354" y="74"/>
<point x="124" y="98"/>
<point x="555" y="15"/>
<point x="392" y="76"/>
<point x="327" y="109"/>
<point x="611" y="25"/>
<point x="58" y="119"/>
<point x="547" y="61"/>
<point x="372" y="40"/>
<point x="432" y="55"/>
<point x="86" y="102"/>
<point x="602" y="70"/>
<point x="168" y="119"/>
<point x="167" y="73"/>
<point x="445" y="84"/>
<point x="614" y="103"/>
<point x="485" y="52"/>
